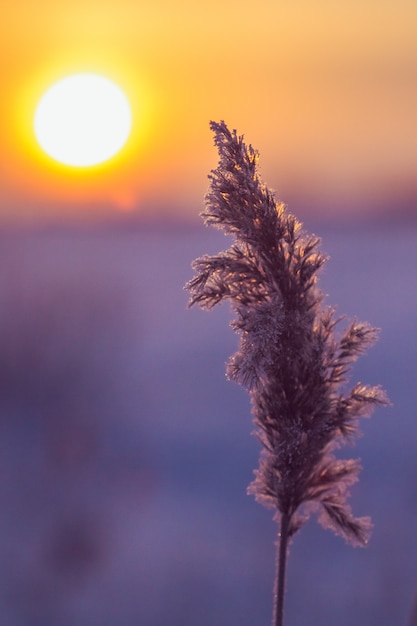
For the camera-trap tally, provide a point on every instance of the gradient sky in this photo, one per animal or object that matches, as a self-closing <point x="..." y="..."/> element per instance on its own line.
<point x="326" y="91"/>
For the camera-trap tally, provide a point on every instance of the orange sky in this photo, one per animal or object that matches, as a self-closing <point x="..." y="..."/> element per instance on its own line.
<point x="327" y="91"/>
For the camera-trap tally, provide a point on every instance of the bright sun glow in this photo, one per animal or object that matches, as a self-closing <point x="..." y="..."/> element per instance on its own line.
<point x="83" y="120"/>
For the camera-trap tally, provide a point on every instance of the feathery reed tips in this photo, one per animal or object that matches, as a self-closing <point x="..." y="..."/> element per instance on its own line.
<point x="291" y="359"/>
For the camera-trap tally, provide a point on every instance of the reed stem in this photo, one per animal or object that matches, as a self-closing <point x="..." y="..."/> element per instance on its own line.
<point x="279" y="590"/>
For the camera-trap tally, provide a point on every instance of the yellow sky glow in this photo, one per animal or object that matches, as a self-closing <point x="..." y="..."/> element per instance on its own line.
<point x="326" y="91"/>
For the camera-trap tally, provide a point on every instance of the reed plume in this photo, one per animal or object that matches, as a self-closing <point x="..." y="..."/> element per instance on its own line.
<point x="291" y="359"/>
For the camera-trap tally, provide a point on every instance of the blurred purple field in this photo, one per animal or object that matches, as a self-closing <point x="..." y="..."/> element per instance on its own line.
<point x="125" y="453"/>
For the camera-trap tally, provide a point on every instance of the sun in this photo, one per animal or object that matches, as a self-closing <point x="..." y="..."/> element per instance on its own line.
<point x="83" y="120"/>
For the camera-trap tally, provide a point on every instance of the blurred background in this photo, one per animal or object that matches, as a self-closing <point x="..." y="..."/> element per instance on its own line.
<point x="125" y="453"/>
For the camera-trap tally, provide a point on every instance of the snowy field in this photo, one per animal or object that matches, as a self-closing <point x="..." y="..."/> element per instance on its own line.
<point x="125" y="453"/>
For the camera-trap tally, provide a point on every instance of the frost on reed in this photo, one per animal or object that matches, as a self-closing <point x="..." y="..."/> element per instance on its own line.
<point x="290" y="359"/>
